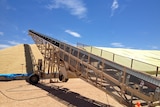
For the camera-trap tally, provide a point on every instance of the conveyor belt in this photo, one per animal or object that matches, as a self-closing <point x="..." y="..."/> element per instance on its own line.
<point x="98" y="71"/>
<point x="143" y="76"/>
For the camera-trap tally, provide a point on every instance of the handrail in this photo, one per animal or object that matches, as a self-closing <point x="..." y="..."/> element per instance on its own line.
<point x="101" y="51"/>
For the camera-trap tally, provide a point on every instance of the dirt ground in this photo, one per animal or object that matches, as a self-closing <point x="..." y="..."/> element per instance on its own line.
<point x="75" y="92"/>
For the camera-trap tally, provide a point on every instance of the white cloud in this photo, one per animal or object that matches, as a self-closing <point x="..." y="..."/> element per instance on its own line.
<point x="15" y="27"/>
<point x="154" y="47"/>
<point x="117" y="44"/>
<point x="13" y="43"/>
<point x="76" y="7"/>
<point x="24" y="32"/>
<point x="2" y="46"/>
<point x="69" y="43"/>
<point x="10" y="8"/>
<point x="114" y="6"/>
<point x="24" y="39"/>
<point x="1" y="33"/>
<point x="75" y="34"/>
<point x="5" y="5"/>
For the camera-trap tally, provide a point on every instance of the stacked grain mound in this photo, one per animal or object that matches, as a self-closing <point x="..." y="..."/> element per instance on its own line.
<point x="13" y="60"/>
<point x="18" y="59"/>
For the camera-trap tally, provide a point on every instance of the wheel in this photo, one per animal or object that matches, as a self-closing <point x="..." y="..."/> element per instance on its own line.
<point x="61" y="78"/>
<point x="66" y="80"/>
<point x="34" y="79"/>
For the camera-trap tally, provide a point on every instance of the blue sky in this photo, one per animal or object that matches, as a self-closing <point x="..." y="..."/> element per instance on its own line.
<point x="105" y="23"/>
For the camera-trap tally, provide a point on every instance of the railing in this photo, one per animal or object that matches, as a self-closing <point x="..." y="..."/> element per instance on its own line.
<point x="125" y="61"/>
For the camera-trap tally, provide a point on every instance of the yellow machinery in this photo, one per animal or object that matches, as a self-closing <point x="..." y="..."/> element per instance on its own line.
<point x="61" y="58"/>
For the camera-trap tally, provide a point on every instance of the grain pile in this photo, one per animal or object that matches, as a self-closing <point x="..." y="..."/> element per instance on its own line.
<point x="12" y="60"/>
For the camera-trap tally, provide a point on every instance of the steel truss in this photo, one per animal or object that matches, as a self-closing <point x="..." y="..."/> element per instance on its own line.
<point x="117" y="80"/>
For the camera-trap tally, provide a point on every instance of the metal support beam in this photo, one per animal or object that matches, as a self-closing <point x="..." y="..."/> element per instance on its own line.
<point x="90" y="67"/>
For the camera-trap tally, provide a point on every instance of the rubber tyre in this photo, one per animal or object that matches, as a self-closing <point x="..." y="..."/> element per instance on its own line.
<point x="66" y="80"/>
<point x="34" y="79"/>
<point x="61" y="77"/>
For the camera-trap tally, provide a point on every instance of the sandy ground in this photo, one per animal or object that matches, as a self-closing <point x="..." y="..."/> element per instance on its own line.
<point x="75" y="92"/>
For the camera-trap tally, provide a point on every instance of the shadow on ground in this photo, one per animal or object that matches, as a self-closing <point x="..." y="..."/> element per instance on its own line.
<point x="29" y="63"/>
<point x="69" y="98"/>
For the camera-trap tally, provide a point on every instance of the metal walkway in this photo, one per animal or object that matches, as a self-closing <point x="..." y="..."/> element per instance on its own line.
<point x="100" y="72"/>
